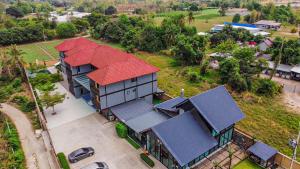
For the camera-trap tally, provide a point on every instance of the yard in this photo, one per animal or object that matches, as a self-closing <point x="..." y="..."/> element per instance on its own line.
<point x="204" y="20"/>
<point x="247" y="164"/>
<point x="266" y="119"/>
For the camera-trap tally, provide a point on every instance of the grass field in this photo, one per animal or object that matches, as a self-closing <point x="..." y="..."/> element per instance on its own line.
<point x="266" y="119"/>
<point x="204" y="20"/>
<point x="247" y="164"/>
<point x="34" y="51"/>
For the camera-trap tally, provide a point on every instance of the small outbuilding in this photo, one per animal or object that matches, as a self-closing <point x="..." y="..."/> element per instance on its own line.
<point x="262" y="154"/>
<point x="268" y="24"/>
<point x="295" y="72"/>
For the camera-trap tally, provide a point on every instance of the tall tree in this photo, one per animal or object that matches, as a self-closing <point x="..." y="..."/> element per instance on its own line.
<point x="277" y="61"/>
<point x="50" y="100"/>
<point x="191" y="17"/>
<point x="17" y="59"/>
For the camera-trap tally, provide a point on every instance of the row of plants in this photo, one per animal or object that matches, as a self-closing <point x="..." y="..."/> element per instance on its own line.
<point x="11" y="153"/>
<point x="63" y="161"/>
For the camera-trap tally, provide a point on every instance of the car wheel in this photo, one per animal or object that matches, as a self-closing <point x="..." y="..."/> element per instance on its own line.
<point x="91" y="154"/>
<point x="75" y="161"/>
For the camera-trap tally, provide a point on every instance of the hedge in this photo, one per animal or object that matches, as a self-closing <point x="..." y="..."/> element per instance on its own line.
<point x="133" y="143"/>
<point x="147" y="159"/>
<point x="121" y="130"/>
<point x="63" y="161"/>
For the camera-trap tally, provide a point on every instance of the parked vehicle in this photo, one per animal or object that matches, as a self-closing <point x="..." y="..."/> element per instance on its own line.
<point x="96" y="165"/>
<point x="80" y="154"/>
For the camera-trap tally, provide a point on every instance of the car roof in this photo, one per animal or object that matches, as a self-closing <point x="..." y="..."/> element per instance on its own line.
<point x="91" y="166"/>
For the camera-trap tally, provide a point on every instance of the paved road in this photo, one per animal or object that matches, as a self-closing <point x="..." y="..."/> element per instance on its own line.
<point x="34" y="149"/>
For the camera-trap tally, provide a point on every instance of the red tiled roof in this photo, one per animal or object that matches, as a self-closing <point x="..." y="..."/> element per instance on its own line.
<point x="113" y="65"/>
<point x="74" y="43"/>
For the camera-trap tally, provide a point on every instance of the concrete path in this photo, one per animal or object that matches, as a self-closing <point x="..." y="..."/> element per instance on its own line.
<point x="35" y="152"/>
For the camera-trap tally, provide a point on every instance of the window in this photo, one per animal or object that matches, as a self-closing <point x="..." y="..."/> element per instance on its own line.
<point x="97" y="85"/>
<point x="133" y="80"/>
<point x="78" y="69"/>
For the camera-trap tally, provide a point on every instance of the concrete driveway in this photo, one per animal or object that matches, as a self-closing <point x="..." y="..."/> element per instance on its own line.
<point x="95" y="131"/>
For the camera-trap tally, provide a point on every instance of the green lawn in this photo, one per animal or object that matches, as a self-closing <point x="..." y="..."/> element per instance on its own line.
<point x="247" y="164"/>
<point x="34" y="51"/>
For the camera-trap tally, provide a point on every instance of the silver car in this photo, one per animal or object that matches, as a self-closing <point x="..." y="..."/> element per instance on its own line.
<point x="80" y="154"/>
<point x="96" y="165"/>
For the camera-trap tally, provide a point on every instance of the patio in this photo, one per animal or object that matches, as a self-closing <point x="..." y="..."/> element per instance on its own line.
<point x="221" y="158"/>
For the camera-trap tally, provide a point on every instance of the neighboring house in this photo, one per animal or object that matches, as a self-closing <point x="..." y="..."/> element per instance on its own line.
<point x="264" y="45"/>
<point x="107" y="76"/>
<point x="296" y="72"/>
<point x="251" y="28"/>
<point x="268" y="24"/>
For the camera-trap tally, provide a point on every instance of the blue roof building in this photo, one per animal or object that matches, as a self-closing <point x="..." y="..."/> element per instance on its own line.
<point x="202" y="124"/>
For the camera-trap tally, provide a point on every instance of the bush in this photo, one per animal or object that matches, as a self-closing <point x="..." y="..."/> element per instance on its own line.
<point x="24" y="103"/>
<point x="66" y="30"/>
<point x="121" y="130"/>
<point x="132" y="142"/>
<point x="266" y="87"/>
<point x="194" y="77"/>
<point x="294" y="30"/>
<point x="63" y="161"/>
<point x="50" y="34"/>
<point x="145" y="158"/>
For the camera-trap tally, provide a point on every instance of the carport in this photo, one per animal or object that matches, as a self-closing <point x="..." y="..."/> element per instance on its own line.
<point x="139" y="116"/>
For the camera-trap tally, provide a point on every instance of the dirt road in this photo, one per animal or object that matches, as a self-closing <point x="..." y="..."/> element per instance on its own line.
<point x="291" y="92"/>
<point x="34" y="149"/>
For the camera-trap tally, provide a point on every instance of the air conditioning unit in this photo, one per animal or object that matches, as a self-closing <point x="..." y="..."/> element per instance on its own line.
<point x="111" y="118"/>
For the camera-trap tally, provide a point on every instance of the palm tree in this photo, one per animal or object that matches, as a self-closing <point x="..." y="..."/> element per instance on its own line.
<point x="191" y="17"/>
<point x="277" y="60"/>
<point x="17" y="61"/>
<point x="5" y="66"/>
<point x="215" y="165"/>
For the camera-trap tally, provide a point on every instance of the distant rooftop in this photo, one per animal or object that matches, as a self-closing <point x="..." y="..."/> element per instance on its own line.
<point x="267" y="22"/>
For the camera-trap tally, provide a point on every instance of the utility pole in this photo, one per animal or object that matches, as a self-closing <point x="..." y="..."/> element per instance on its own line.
<point x="295" y="145"/>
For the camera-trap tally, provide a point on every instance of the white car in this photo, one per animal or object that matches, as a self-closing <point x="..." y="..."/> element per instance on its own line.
<point x="96" y="165"/>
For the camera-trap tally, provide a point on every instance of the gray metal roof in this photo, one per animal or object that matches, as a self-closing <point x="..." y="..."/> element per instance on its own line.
<point x="267" y="22"/>
<point x="296" y="69"/>
<point x="262" y="151"/>
<point x="218" y="108"/>
<point x="169" y="104"/>
<point x="131" y="109"/>
<point x="280" y="67"/>
<point x="83" y="80"/>
<point x="146" y="121"/>
<point x="138" y="115"/>
<point x="184" y="137"/>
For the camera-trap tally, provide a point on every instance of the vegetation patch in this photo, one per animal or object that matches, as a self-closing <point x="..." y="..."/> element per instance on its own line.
<point x="11" y="153"/>
<point x="147" y="160"/>
<point x="63" y="161"/>
<point x="121" y="130"/>
<point x="133" y="143"/>
<point x="247" y="164"/>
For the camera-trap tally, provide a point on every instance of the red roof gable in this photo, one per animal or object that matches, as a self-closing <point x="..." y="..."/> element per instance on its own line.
<point x="74" y="43"/>
<point x="113" y="65"/>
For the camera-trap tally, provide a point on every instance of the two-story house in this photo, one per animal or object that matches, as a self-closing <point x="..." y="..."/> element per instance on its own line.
<point x="107" y="75"/>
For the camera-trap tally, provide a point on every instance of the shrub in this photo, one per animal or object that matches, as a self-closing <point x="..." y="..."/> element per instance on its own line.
<point x="294" y="30"/>
<point x="24" y="103"/>
<point x="145" y="158"/>
<point x="50" y="34"/>
<point x="266" y="87"/>
<point x="66" y="30"/>
<point x="121" y="130"/>
<point x="132" y="142"/>
<point x="63" y="161"/>
<point x="194" y="77"/>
